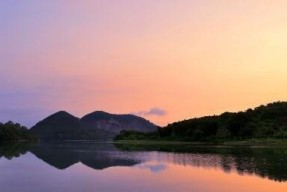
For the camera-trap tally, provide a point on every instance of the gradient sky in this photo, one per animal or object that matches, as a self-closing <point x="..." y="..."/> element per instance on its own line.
<point x="166" y="60"/>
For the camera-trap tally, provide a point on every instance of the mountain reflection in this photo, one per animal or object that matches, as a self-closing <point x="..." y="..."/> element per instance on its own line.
<point x="264" y="162"/>
<point x="94" y="155"/>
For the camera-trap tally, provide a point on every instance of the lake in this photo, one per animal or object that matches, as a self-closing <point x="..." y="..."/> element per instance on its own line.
<point x="87" y="167"/>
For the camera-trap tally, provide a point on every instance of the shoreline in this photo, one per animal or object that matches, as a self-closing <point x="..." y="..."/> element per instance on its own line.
<point x="246" y="143"/>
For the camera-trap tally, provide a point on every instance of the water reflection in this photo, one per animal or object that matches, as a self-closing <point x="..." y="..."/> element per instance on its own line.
<point x="153" y="167"/>
<point x="13" y="150"/>
<point x="264" y="162"/>
<point x="97" y="156"/>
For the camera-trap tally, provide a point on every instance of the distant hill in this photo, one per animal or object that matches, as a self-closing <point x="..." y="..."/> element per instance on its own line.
<point x="109" y="125"/>
<point x="98" y="125"/>
<point x="268" y="121"/>
<point x="59" y="126"/>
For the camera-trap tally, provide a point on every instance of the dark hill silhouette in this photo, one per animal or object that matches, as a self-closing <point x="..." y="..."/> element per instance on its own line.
<point x="98" y="125"/>
<point x="268" y="121"/>
<point x="109" y="125"/>
<point x="59" y="126"/>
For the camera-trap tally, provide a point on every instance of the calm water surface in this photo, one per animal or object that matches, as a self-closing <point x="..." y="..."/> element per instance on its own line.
<point x="88" y="167"/>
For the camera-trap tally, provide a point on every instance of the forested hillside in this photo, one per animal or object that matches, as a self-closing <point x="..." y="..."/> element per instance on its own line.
<point x="269" y="121"/>
<point x="14" y="132"/>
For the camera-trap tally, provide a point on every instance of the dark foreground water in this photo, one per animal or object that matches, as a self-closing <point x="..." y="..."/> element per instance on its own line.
<point x="90" y="167"/>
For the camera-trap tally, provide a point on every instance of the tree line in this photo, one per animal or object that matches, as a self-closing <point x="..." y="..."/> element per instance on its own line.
<point x="265" y="121"/>
<point x="14" y="132"/>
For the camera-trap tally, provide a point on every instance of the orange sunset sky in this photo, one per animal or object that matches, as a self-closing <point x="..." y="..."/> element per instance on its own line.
<point x="165" y="60"/>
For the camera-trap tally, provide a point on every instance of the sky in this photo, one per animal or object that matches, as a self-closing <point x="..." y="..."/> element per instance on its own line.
<point x="164" y="60"/>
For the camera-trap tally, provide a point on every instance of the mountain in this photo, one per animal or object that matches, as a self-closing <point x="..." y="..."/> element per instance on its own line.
<point x="269" y="121"/>
<point x="59" y="126"/>
<point x="98" y="125"/>
<point x="109" y="125"/>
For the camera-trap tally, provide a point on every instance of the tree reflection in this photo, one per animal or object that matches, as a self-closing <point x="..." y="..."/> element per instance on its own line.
<point x="264" y="162"/>
<point x="13" y="150"/>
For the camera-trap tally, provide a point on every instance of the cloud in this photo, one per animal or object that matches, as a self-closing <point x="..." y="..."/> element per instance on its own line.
<point x="153" y="111"/>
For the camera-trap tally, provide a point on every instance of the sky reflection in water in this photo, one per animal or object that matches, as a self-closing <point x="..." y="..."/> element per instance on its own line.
<point x="104" y="167"/>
